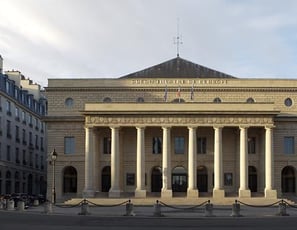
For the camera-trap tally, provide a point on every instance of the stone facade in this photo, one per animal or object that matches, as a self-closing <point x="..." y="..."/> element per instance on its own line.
<point x="172" y="136"/>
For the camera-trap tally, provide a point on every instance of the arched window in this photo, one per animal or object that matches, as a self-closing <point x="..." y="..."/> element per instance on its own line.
<point x="178" y="100"/>
<point x="70" y="180"/>
<point x="140" y="100"/>
<point x="288" y="102"/>
<point x="107" y="100"/>
<point x="250" y="100"/>
<point x="69" y="102"/>
<point x="217" y="100"/>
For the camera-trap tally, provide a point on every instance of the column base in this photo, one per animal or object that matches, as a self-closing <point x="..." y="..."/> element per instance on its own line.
<point x="244" y="193"/>
<point x="114" y="193"/>
<point x="192" y="193"/>
<point x="166" y="193"/>
<point x="140" y="193"/>
<point x="218" y="193"/>
<point x="270" y="193"/>
<point x="88" y="193"/>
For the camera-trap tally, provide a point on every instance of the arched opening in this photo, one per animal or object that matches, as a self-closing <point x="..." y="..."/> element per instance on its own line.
<point x="179" y="179"/>
<point x="178" y="100"/>
<point x="253" y="182"/>
<point x="17" y="182"/>
<point x="8" y="182"/>
<point x="202" y="179"/>
<point x="30" y="184"/>
<point x="156" y="179"/>
<point x="288" y="180"/>
<point x="69" y="180"/>
<point x="106" y="179"/>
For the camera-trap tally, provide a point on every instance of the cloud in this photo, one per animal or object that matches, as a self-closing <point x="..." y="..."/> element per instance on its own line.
<point x="88" y="38"/>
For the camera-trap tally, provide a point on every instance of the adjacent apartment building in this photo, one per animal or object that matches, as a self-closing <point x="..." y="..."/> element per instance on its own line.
<point x="23" y="152"/>
<point x="173" y="129"/>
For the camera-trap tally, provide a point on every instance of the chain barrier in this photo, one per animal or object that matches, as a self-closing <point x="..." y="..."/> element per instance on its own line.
<point x="290" y="205"/>
<point x="183" y="208"/>
<point x="259" y="206"/>
<point x="85" y="201"/>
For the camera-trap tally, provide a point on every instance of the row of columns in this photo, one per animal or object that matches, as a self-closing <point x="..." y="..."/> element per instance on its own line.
<point x="218" y="191"/>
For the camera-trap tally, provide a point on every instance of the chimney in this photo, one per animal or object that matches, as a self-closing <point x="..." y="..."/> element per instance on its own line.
<point x="1" y="65"/>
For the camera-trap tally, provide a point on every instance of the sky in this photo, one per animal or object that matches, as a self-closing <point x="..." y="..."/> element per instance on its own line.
<point x="111" y="38"/>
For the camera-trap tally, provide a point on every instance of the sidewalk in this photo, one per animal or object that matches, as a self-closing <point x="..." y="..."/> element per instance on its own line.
<point x="164" y="211"/>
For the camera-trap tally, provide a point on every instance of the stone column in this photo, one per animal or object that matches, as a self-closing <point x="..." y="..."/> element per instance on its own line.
<point x="115" y="163"/>
<point x="269" y="164"/>
<point x="140" y="164"/>
<point x="218" y="191"/>
<point x="243" y="189"/>
<point x="89" y="162"/>
<point x="192" y="163"/>
<point x="166" y="162"/>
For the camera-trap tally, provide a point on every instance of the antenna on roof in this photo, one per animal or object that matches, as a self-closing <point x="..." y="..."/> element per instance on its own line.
<point x="177" y="39"/>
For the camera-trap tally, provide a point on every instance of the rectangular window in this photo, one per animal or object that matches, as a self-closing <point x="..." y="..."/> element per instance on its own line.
<point x="69" y="145"/>
<point x="289" y="145"/>
<point x="24" y="137"/>
<point x="201" y="145"/>
<point x="17" y="134"/>
<point x="251" y="145"/>
<point x="228" y="179"/>
<point x="17" y="114"/>
<point x="106" y="145"/>
<point x="41" y="143"/>
<point x="179" y="145"/>
<point x="17" y="155"/>
<point x="24" y="157"/>
<point x="157" y="145"/>
<point x="8" y="129"/>
<point x="8" y="152"/>
<point x="130" y="180"/>
<point x="23" y="116"/>
<point x="8" y="107"/>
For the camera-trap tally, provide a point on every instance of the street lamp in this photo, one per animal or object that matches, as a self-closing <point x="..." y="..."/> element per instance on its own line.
<point x="54" y="156"/>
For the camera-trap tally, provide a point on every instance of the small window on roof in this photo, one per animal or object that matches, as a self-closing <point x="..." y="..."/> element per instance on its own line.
<point x="217" y="100"/>
<point x="107" y="100"/>
<point x="69" y="102"/>
<point x="250" y="100"/>
<point x="288" y="102"/>
<point x="140" y="100"/>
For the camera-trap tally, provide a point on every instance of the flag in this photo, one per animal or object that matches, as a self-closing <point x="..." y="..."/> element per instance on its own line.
<point x="178" y="94"/>
<point x="192" y="92"/>
<point x="165" y="94"/>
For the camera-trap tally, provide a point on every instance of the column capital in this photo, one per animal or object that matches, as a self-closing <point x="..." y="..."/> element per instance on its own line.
<point x="166" y="127"/>
<point x="115" y="127"/>
<point x="218" y="126"/>
<point x="244" y="126"/>
<point x="269" y="126"/>
<point x="192" y="127"/>
<point x="140" y="127"/>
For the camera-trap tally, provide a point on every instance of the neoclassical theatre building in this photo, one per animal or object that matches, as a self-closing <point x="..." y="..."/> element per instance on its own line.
<point x="174" y="129"/>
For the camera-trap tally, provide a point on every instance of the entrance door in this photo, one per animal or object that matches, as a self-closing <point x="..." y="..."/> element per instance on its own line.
<point x="179" y="180"/>
<point x="288" y="180"/>
<point x="202" y="179"/>
<point x="252" y="172"/>
<point x="106" y="179"/>
<point x="156" y="179"/>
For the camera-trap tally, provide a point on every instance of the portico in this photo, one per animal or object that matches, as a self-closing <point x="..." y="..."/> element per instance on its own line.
<point x="165" y="123"/>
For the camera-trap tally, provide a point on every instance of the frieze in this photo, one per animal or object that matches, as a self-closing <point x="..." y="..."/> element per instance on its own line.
<point x="178" y="120"/>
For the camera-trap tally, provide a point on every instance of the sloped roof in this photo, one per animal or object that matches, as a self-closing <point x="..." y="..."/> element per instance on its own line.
<point x="178" y="68"/>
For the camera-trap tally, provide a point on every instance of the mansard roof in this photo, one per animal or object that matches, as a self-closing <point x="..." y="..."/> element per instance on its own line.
<point x="178" y="68"/>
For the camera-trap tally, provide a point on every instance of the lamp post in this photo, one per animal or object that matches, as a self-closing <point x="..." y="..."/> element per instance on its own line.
<point x="54" y="156"/>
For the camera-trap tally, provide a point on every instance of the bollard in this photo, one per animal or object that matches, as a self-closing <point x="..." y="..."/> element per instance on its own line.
<point x="10" y="205"/>
<point x="282" y="209"/>
<point x="129" y="209"/>
<point x="157" y="209"/>
<point x="21" y="205"/>
<point x="48" y="207"/>
<point x="1" y="205"/>
<point x="208" y="210"/>
<point x="84" y="208"/>
<point x="36" y="202"/>
<point x="235" y="209"/>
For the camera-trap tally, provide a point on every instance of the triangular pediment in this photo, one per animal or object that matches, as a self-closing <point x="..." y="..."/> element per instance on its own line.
<point x="178" y="68"/>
